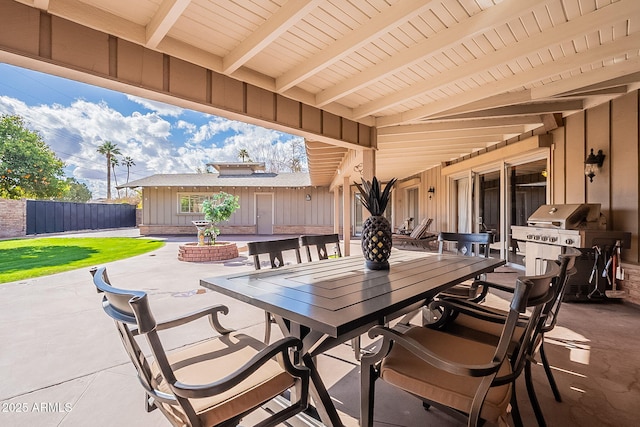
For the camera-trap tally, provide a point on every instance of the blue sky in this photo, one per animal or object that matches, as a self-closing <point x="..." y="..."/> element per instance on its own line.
<point x="75" y="118"/>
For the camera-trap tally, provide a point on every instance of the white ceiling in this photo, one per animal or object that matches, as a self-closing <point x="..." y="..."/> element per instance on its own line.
<point x="439" y="79"/>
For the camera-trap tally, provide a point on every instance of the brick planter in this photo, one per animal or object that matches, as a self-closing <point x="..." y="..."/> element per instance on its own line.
<point x="191" y="252"/>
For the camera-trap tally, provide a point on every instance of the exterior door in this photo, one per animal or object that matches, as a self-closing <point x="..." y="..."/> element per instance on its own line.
<point x="413" y="206"/>
<point x="264" y="213"/>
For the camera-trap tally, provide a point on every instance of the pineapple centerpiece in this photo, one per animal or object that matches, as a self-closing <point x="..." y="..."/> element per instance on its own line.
<point x="376" y="230"/>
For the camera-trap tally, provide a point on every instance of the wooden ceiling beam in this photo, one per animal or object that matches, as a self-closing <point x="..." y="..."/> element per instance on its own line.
<point x="617" y="90"/>
<point x="498" y="14"/>
<point x="453" y="125"/>
<point x="551" y="121"/>
<point x="522" y="109"/>
<point x="500" y="100"/>
<point x="601" y="78"/>
<point x="450" y="135"/>
<point x="382" y="23"/>
<point x="165" y="18"/>
<point x="424" y="150"/>
<point x="559" y="34"/>
<point x="559" y="66"/>
<point x="279" y="23"/>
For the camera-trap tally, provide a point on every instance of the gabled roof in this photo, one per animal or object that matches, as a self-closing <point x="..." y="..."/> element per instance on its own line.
<point x="216" y="180"/>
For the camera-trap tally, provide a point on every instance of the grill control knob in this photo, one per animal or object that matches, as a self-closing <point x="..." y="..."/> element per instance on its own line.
<point x="553" y="239"/>
<point x="544" y="238"/>
<point x="569" y="241"/>
<point x="536" y="237"/>
<point x="530" y="236"/>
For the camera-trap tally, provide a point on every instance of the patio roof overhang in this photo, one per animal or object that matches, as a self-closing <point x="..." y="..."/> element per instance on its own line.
<point x="423" y="81"/>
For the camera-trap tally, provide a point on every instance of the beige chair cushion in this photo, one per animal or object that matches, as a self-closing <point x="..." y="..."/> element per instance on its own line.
<point x="404" y="370"/>
<point x="211" y="361"/>
<point x="481" y="330"/>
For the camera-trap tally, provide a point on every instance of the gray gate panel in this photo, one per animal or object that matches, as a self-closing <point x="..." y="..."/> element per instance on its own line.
<point x="45" y="216"/>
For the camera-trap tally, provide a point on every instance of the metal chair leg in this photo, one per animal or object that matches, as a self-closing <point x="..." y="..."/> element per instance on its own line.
<point x="532" y="395"/>
<point x="547" y="370"/>
<point x="367" y="393"/>
<point x="268" y="320"/>
<point x="515" y="412"/>
<point x="357" y="350"/>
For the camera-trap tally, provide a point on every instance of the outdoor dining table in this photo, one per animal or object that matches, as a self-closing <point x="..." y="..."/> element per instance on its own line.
<point x="328" y="302"/>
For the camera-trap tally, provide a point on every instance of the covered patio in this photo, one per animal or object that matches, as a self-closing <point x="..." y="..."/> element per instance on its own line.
<point x="455" y="98"/>
<point x="64" y="361"/>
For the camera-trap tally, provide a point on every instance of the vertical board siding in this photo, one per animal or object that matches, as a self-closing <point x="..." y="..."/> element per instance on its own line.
<point x="624" y="168"/>
<point x="575" y="155"/>
<point x="290" y="206"/>
<point x="597" y="137"/>
<point x="614" y="128"/>
<point x="558" y="160"/>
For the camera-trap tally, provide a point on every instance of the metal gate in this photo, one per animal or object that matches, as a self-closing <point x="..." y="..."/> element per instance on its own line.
<point x="55" y="217"/>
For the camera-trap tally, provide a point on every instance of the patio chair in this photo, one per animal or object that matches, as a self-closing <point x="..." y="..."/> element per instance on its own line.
<point x="320" y="242"/>
<point x="467" y="379"/>
<point x="420" y="237"/>
<point x="484" y="324"/>
<point x="467" y="244"/>
<point x="274" y="249"/>
<point x="215" y="382"/>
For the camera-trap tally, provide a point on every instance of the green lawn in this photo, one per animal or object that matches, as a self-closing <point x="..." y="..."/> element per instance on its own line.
<point x="26" y="258"/>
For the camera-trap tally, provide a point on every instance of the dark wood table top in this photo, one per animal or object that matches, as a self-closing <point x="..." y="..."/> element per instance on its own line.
<point x="336" y="296"/>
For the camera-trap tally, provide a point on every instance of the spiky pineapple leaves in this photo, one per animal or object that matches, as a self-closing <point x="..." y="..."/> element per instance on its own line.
<point x="374" y="200"/>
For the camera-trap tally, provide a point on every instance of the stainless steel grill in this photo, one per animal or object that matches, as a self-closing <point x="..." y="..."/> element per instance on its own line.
<point x="552" y="227"/>
<point x="574" y="225"/>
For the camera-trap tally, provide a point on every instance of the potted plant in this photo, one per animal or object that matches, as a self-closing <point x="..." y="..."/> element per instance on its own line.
<point x="218" y="208"/>
<point x="376" y="230"/>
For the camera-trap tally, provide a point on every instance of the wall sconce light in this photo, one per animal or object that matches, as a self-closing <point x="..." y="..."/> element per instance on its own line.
<point x="308" y="197"/>
<point x="358" y="168"/>
<point x="593" y="163"/>
<point x="431" y="192"/>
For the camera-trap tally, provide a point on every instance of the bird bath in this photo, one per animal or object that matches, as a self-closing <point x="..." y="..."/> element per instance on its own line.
<point x="201" y="226"/>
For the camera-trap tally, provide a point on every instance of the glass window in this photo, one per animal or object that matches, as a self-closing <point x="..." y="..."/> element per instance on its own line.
<point x="191" y="203"/>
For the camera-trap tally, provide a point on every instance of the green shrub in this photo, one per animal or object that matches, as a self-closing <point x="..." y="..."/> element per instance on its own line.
<point x="218" y="209"/>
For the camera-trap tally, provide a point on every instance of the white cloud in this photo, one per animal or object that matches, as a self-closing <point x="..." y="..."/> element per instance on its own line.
<point x="158" y="107"/>
<point x="74" y="132"/>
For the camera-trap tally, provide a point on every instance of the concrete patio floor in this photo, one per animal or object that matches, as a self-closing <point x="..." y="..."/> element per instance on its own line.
<point x="62" y="363"/>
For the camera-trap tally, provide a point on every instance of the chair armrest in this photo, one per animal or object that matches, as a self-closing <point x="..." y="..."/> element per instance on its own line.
<point x="397" y="338"/>
<point x="212" y="312"/>
<point x="498" y="286"/>
<point x="280" y="347"/>
<point x="452" y="306"/>
<point x="471" y="309"/>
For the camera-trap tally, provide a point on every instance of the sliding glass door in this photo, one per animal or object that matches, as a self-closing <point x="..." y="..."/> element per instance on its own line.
<point x="488" y="207"/>
<point x="527" y="191"/>
<point x="497" y="196"/>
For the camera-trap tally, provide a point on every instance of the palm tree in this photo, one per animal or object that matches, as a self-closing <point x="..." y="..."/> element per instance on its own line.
<point x="108" y="149"/>
<point x="243" y="154"/>
<point x="115" y="162"/>
<point x="128" y="162"/>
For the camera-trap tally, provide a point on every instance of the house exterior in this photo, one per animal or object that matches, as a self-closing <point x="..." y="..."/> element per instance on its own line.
<point x="477" y="102"/>
<point x="270" y="203"/>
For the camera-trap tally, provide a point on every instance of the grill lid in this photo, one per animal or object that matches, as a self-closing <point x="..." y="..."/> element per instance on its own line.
<point x="568" y="217"/>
